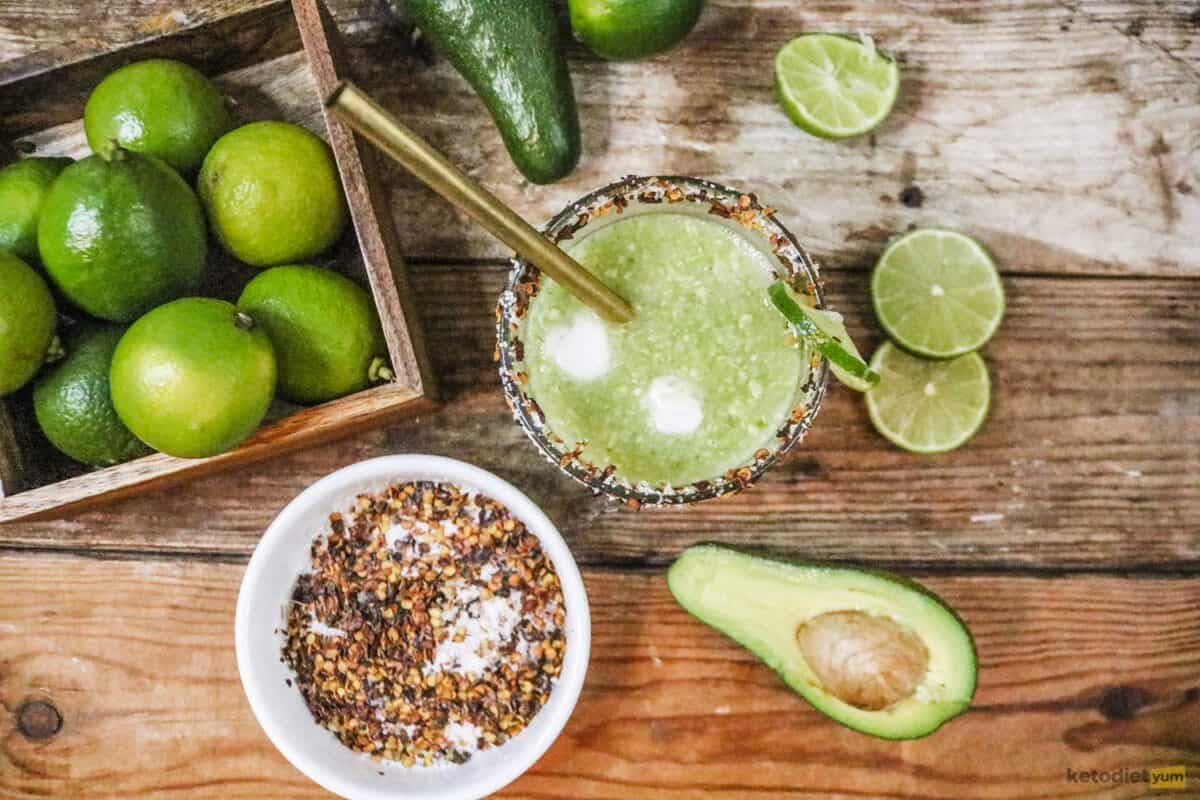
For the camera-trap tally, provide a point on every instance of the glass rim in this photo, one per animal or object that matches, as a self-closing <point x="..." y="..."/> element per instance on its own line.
<point x="743" y="208"/>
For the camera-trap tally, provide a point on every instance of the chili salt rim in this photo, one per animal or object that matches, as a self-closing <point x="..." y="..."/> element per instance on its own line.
<point x="796" y="267"/>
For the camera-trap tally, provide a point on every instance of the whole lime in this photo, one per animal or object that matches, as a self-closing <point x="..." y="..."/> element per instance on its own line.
<point x="121" y="233"/>
<point x="272" y="193"/>
<point x="27" y="321"/>
<point x="159" y="107"/>
<point x="622" y="30"/>
<point x="193" y="378"/>
<point x="326" y="332"/>
<point x="73" y="404"/>
<point x="23" y="188"/>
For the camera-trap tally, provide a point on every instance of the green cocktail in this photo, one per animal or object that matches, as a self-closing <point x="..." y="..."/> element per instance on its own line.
<point x="702" y="386"/>
<point x="700" y="380"/>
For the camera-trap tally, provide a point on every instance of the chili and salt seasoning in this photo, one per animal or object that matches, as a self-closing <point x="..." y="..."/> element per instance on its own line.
<point x="430" y="626"/>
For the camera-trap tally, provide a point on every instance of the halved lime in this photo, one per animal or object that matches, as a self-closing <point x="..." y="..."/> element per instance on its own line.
<point x="937" y="293"/>
<point x="928" y="406"/>
<point x="834" y="86"/>
<point x="825" y="332"/>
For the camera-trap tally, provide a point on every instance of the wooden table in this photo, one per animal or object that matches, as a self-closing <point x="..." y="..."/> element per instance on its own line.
<point x="1065" y="136"/>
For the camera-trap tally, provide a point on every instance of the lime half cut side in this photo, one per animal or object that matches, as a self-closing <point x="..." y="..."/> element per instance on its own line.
<point x="834" y="86"/>
<point x="928" y="406"/>
<point x="826" y="333"/>
<point x="937" y="293"/>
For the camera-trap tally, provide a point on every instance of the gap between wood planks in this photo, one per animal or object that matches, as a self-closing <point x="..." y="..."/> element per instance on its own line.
<point x="916" y="570"/>
<point x="420" y="261"/>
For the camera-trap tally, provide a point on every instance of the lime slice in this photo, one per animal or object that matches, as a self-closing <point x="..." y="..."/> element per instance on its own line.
<point x="937" y="293"/>
<point x="928" y="406"/>
<point x="825" y="332"/>
<point x="835" y="87"/>
<point x="834" y="326"/>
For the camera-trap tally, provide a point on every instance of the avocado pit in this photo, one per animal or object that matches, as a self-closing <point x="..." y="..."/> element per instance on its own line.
<point x="869" y="662"/>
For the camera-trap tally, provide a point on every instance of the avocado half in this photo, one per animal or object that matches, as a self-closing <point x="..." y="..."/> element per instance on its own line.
<point x="873" y="651"/>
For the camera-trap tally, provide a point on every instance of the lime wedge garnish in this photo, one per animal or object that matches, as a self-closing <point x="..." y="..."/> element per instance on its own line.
<point x="835" y="87"/>
<point x="937" y="293"/>
<point x="826" y="333"/>
<point x="928" y="406"/>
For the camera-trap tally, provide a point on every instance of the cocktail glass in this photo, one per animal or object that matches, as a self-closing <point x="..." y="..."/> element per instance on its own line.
<point x="629" y="196"/>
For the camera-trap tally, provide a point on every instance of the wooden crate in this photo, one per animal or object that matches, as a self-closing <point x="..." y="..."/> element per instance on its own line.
<point x="276" y="62"/>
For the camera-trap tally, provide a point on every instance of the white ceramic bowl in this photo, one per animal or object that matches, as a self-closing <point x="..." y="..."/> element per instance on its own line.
<point x="283" y="553"/>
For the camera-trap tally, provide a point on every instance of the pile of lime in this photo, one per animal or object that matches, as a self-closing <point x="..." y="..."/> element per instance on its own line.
<point x="936" y="293"/>
<point x="938" y="296"/>
<point x="121" y="239"/>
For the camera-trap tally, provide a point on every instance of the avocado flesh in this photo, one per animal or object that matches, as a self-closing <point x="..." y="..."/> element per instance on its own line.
<point x="762" y="604"/>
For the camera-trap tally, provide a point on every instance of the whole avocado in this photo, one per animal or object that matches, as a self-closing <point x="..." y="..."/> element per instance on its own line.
<point x="511" y="53"/>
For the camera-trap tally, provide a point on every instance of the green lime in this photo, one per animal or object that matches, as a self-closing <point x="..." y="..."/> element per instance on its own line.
<point x="23" y="188"/>
<point x="193" y="378"/>
<point x="27" y="322"/>
<point x="326" y="332"/>
<point x="828" y="336"/>
<point x="272" y="193"/>
<point x="161" y="108"/>
<point x="834" y="326"/>
<point x="835" y="87"/>
<point x="621" y="30"/>
<point x="73" y="404"/>
<point x="937" y="293"/>
<point x="122" y="233"/>
<point x="928" y="406"/>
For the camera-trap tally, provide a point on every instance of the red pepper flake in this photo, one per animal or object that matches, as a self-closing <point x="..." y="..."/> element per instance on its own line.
<point x="431" y="625"/>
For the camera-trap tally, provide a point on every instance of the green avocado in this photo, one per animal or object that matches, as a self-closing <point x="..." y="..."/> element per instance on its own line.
<point x="511" y="53"/>
<point x="873" y="651"/>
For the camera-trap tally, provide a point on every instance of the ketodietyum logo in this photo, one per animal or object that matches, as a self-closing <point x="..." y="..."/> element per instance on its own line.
<point x="1154" y="777"/>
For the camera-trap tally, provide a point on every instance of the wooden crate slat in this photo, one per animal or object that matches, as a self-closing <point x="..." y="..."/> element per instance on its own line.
<point x="364" y="190"/>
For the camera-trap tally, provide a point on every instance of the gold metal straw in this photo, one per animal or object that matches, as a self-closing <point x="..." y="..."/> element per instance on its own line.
<point x="367" y="117"/>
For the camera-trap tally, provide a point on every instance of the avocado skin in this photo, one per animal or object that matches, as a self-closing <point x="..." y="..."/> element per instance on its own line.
<point x="735" y="555"/>
<point x="511" y="54"/>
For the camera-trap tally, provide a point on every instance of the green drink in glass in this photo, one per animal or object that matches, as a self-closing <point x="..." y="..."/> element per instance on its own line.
<point x="699" y="394"/>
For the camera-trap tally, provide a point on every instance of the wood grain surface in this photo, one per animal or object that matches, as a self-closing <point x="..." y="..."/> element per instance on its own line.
<point x="137" y="660"/>
<point x="1061" y="133"/>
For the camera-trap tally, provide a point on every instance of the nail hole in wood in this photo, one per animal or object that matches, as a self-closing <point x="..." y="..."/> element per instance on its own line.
<point x="912" y="196"/>
<point x="1122" y="702"/>
<point x="38" y="719"/>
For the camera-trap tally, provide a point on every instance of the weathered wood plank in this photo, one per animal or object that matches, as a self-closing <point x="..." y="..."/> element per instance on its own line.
<point x="1089" y="458"/>
<point x="1080" y="673"/>
<point x="1061" y="134"/>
